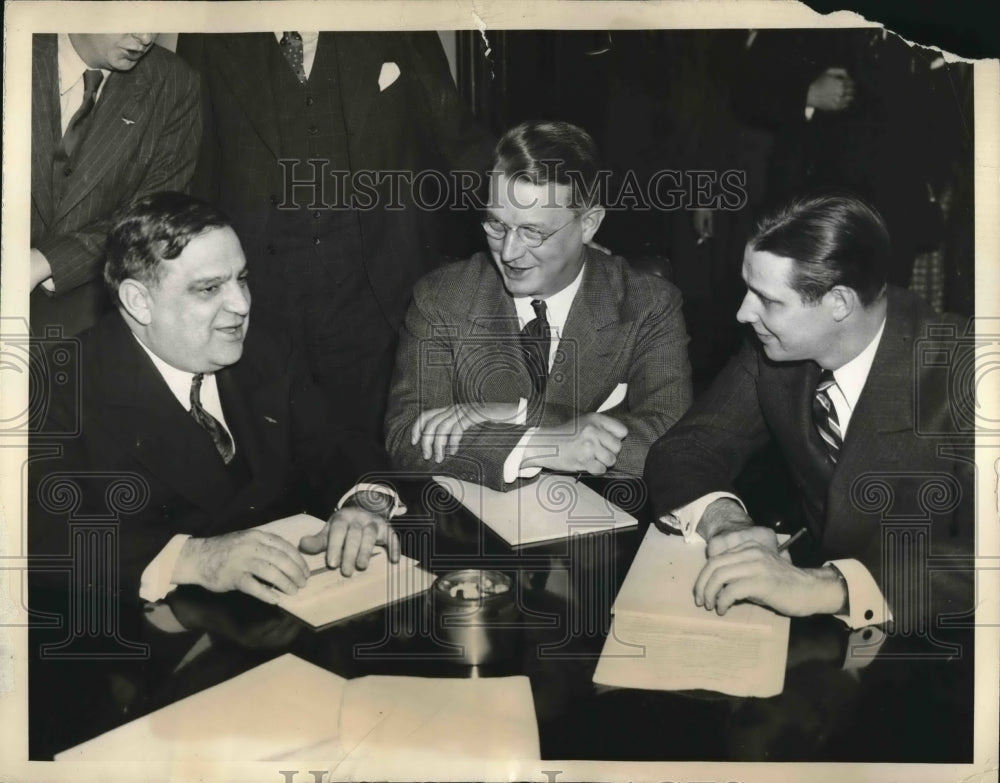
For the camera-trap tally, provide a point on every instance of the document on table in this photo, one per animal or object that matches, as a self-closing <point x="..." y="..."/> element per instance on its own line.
<point x="556" y="506"/>
<point x="362" y="728"/>
<point x="660" y="640"/>
<point x="329" y="595"/>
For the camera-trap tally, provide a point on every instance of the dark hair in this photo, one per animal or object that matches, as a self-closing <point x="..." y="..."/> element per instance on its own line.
<point x="833" y="240"/>
<point x="152" y="229"/>
<point x="551" y="152"/>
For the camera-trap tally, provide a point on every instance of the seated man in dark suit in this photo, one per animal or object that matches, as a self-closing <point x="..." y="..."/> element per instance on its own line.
<point x="217" y="425"/>
<point x="544" y="353"/>
<point x="836" y="382"/>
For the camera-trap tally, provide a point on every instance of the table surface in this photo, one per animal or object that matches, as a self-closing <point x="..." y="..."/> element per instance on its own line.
<point x="913" y="703"/>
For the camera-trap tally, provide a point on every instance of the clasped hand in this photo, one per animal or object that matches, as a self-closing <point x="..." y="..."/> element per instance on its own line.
<point x="265" y="565"/>
<point x="745" y="565"/>
<point x="439" y="431"/>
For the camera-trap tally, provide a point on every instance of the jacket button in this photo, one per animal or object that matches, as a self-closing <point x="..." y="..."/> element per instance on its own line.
<point x="866" y="635"/>
<point x="310" y="100"/>
<point x="312" y="130"/>
<point x="869" y="614"/>
<point x="274" y="199"/>
<point x="68" y="170"/>
<point x="317" y="214"/>
<point x="315" y="240"/>
<point x="271" y="249"/>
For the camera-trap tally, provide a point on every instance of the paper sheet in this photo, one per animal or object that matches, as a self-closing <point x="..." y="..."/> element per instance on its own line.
<point x="330" y="596"/>
<point x="661" y="640"/>
<point x="386" y="719"/>
<point x="554" y="507"/>
<point x="269" y="712"/>
<point x="290" y="709"/>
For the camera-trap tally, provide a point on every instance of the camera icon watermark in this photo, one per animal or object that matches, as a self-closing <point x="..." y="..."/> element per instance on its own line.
<point x="51" y="365"/>
<point x="957" y="376"/>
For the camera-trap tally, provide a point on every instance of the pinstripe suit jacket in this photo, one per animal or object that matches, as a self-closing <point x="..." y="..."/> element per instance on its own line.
<point x="417" y="122"/>
<point x="143" y="138"/>
<point x="460" y="344"/>
<point x="904" y="460"/>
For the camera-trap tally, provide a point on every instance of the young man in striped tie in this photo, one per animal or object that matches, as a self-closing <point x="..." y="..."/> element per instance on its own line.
<point x="835" y="380"/>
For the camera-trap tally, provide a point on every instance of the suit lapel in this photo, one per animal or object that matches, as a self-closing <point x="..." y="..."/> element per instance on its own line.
<point x="243" y="62"/>
<point x="45" y="115"/>
<point x="359" y="63"/>
<point x="592" y="341"/>
<point x="160" y="432"/>
<point x="118" y="122"/>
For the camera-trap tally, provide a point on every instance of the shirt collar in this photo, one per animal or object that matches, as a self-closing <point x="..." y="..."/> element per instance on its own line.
<point x="852" y="376"/>
<point x="179" y="381"/>
<point x="556" y="306"/>
<point x="71" y="65"/>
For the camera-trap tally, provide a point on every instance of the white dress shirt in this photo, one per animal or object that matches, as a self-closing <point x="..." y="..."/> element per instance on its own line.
<point x="310" y="40"/>
<point x="862" y="590"/>
<point x="557" y="309"/>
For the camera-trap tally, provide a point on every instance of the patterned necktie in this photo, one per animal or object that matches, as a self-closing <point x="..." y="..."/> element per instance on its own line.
<point x="291" y="47"/>
<point x="825" y="416"/>
<point x="535" y="341"/>
<point x="77" y="128"/>
<point x="223" y="443"/>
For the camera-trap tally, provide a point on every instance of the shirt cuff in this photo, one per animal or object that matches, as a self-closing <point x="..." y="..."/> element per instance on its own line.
<point x="865" y="603"/>
<point x="155" y="583"/>
<point x="396" y="509"/>
<point x="810" y="111"/>
<point x="686" y="518"/>
<point x="862" y="647"/>
<point x="512" y="469"/>
<point x="47" y="284"/>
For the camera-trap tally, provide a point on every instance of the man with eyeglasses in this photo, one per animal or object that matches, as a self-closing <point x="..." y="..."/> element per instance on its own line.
<point x="544" y="354"/>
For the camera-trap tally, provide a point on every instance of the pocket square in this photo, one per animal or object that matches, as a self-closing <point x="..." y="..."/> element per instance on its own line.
<point x="615" y="398"/>
<point x="388" y="74"/>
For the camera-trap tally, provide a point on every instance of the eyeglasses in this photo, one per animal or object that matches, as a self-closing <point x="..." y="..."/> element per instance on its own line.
<point x="529" y="235"/>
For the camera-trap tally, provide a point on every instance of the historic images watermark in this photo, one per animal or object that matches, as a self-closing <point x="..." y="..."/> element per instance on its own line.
<point x="313" y="184"/>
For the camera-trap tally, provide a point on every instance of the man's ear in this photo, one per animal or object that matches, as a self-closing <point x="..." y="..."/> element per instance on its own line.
<point x="591" y="221"/>
<point x="842" y="301"/>
<point x="136" y="300"/>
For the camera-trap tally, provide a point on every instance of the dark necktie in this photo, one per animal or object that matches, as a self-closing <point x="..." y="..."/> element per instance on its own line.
<point x="291" y="47"/>
<point x="78" y="125"/>
<point x="223" y="443"/>
<point x="535" y="340"/>
<point x="825" y="416"/>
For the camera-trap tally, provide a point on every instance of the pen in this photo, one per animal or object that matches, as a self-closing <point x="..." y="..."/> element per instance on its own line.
<point x="797" y="535"/>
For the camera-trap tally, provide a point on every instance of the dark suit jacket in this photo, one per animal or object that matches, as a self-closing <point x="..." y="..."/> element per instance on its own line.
<point x="417" y="122"/>
<point x="143" y="138"/>
<point x="459" y="345"/>
<point x="889" y="470"/>
<point x="131" y="426"/>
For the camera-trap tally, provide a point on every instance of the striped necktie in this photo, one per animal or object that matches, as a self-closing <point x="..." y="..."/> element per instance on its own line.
<point x="223" y="442"/>
<point x="825" y="416"/>
<point x="535" y="341"/>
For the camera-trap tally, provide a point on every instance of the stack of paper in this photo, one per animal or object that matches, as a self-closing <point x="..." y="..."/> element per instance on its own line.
<point x="363" y="728"/>
<point x="555" y="506"/>
<point x="329" y="595"/>
<point x="661" y="640"/>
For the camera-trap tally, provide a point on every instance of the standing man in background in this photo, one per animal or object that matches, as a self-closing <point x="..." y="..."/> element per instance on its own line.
<point x="113" y="117"/>
<point x="292" y="118"/>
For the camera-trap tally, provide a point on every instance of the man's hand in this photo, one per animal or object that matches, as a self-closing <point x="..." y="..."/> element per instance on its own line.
<point x="349" y="537"/>
<point x="755" y="573"/>
<point x="255" y="562"/>
<point x="589" y="444"/>
<point x="832" y="90"/>
<point x="725" y="525"/>
<point x="439" y="431"/>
